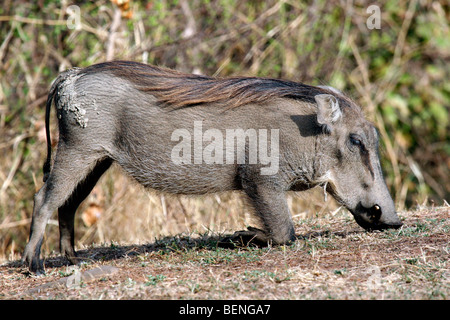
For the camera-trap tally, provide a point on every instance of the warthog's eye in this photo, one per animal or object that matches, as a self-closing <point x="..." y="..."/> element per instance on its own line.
<point x="356" y="141"/>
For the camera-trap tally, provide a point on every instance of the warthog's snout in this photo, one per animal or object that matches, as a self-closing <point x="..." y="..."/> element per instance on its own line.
<point x="374" y="218"/>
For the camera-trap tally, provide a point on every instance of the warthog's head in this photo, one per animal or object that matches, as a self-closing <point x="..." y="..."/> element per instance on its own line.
<point x="350" y="154"/>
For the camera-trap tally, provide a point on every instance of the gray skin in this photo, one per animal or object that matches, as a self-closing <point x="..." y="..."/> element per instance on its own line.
<point x="105" y="119"/>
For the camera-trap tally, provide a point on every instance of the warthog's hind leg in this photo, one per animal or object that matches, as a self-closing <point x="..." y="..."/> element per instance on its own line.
<point x="71" y="167"/>
<point x="66" y="213"/>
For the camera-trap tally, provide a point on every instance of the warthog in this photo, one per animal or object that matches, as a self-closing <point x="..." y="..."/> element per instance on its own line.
<point x="127" y="112"/>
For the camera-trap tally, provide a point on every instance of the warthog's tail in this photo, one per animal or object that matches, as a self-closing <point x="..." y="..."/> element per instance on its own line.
<point x="47" y="164"/>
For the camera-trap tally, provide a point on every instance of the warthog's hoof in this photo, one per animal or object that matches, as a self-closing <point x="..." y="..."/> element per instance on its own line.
<point x="245" y="238"/>
<point x="34" y="265"/>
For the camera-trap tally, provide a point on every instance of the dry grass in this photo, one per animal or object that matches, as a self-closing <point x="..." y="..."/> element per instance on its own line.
<point x="332" y="259"/>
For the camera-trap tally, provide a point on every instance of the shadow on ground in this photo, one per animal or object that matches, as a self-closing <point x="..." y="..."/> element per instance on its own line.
<point x="176" y="243"/>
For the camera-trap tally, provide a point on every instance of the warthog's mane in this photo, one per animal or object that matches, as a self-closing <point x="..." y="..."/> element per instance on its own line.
<point x="180" y="90"/>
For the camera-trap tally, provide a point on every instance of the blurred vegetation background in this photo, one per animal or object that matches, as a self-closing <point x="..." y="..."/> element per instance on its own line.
<point x="399" y="74"/>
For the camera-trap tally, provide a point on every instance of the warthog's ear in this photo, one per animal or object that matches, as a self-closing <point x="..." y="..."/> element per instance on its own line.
<point x="332" y="89"/>
<point x="328" y="111"/>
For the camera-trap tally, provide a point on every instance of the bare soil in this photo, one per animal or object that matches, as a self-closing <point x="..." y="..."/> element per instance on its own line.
<point x="332" y="259"/>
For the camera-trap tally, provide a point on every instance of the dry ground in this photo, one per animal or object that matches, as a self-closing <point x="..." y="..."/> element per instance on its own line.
<point x="332" y="259"/>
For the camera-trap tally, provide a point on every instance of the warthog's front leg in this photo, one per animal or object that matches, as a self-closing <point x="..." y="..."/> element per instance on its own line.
<point x="271" y="207"/>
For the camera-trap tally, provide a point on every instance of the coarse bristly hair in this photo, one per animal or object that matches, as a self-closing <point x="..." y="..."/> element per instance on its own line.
<point x="178" y="90"/>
